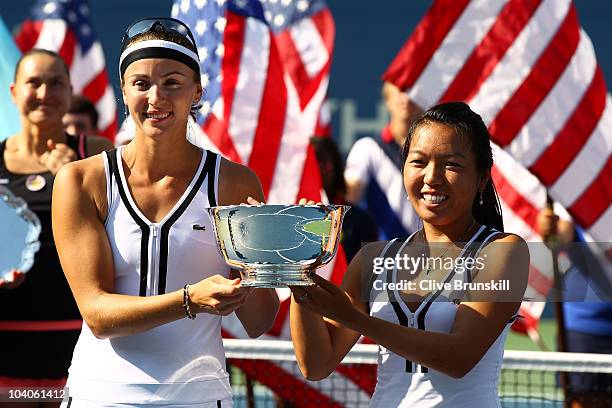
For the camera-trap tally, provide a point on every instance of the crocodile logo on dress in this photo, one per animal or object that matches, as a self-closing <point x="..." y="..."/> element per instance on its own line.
<point x="199" y="227"/>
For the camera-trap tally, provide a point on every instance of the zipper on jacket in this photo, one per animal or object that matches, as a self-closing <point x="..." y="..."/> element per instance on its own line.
<point x="154" y="260"/>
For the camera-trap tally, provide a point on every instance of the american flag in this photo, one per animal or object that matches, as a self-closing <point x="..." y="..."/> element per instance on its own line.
<point x="530" y="70"/>
<point x="65" y="27"/>
<point x="265" y="68"/>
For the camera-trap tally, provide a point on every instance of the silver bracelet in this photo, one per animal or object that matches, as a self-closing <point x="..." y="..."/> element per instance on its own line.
<point x="186" y="301"/>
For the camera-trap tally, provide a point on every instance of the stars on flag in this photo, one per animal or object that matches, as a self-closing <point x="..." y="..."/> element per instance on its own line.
<point x="241" y="3"/>
<point x="205" y="79"/>
<point x="185" y="4"/>
<point x="75" y="13"/>
<point x="205" y="109"/>
<point x="208" y="20"/>
<point x="200" y="27"/>
<point x="85" y="30"/>
<point x="203" y="53"/>
<point x="220" y="24"/>
<point x="200" y="4"/>
<point x="302" y="5"/>
<point x="50" y="7"/>
<point x="220" y="50"/>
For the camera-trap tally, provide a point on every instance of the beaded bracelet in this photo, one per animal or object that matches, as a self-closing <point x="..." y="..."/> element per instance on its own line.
<point x="186" y="301"/>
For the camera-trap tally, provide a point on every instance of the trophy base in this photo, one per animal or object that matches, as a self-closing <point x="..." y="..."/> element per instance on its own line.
<point x="275" y="279"/>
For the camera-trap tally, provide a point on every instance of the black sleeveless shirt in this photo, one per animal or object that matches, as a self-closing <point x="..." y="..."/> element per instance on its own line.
<point x="45" y="294"/>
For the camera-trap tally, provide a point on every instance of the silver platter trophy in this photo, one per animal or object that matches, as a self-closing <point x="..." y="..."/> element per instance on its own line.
<point x="19" y="233"/>
<point x="277" y="245"/>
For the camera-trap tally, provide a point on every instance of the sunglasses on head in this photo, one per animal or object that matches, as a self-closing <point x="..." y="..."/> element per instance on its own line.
<point x="165" y="24"/>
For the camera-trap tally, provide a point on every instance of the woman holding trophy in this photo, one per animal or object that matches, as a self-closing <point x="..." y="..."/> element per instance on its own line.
<point x="440" y="338"/>
<point x="137" y="245"/>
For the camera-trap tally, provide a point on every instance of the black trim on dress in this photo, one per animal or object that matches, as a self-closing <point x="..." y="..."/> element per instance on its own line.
<point x="144" y="227"/>
<point x="401" y="316"/>
<point x="469" y="252"/>
<point x="207" y="171"/>
<point x="212" y="198"/>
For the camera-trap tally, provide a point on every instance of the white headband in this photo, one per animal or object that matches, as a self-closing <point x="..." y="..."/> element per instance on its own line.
<point x="148" y="45"/>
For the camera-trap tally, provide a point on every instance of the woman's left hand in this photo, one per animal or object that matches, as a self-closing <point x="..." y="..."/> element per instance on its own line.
<point x="303" y="201"/>
<point x="325" y="299"/>
<point x="252" y="201"/>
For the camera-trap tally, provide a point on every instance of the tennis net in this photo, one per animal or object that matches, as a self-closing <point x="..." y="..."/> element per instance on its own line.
<point x="264" y="373"/>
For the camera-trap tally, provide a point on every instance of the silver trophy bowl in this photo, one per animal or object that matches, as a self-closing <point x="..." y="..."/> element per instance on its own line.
<point x="277" y="245"/>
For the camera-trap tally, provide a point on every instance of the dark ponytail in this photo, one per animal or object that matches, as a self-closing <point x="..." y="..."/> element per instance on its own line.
<point x="466" y="122"/>
<point x="489" y="213"/>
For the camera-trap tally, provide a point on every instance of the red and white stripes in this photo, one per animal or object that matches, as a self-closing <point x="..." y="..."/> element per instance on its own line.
<point x="272" y="91"/>
<point x="87" y="71"/>
<point x="530" y="71"/>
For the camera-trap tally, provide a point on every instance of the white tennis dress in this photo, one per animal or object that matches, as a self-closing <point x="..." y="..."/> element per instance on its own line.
<point x="403" y="383"/>
<point x="177" y="364"/>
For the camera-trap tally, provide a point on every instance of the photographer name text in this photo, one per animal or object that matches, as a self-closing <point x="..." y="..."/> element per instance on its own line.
<point x="432" y="285"/>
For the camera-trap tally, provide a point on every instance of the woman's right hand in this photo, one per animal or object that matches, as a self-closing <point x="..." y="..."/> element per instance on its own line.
<point x="547" y="222"/>
<point x="57" y="155"/>
<point x="252" y="201"/>
<point x="218" y="295"/>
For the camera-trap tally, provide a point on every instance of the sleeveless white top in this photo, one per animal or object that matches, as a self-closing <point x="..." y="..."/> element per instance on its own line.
<point x="182" y="362"/>
<point x="403" y="383"/>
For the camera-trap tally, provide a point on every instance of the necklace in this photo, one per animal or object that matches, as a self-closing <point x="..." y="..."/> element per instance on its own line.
<point x="463" y="234"/>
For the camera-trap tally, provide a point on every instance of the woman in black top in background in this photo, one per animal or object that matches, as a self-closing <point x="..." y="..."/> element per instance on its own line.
<point x="39" y="320"/>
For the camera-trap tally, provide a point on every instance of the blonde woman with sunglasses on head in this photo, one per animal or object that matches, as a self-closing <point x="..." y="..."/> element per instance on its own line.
<point x="138" y="248"/>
